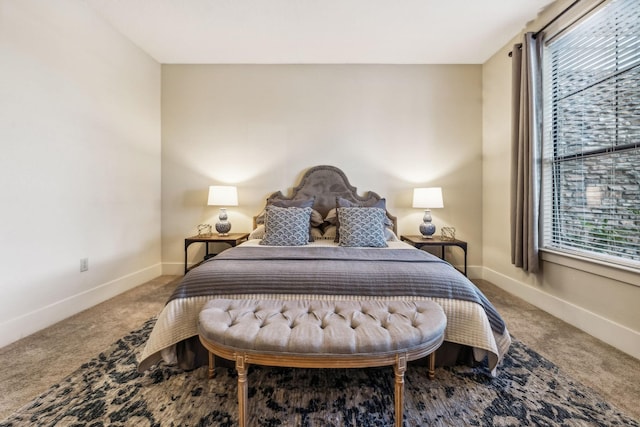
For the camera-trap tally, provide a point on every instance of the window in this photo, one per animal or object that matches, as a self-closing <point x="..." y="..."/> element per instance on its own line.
<point x="591" y="142"/>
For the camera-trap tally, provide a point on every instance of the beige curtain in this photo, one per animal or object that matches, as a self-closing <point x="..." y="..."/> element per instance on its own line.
<point x="526" y="134"/>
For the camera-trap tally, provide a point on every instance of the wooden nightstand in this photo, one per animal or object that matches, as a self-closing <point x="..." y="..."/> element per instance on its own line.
<point x="419" y="242"/>
<point x="232" y="239"/>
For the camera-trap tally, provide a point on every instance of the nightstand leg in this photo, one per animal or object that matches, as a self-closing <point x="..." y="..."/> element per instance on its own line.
<point x="185" y="257"/>
<point x="465" y="262"/>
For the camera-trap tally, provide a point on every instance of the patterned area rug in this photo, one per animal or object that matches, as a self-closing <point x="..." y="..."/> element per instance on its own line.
<point x="529" y="391"/>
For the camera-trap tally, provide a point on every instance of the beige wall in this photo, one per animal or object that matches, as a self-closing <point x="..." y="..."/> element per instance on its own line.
<point x="79" y="165"/>
<point x="601" y="300"/>
<point x="389" y="128"/>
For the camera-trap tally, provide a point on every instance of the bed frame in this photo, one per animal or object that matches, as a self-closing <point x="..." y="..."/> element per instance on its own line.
<point x="325" y="183"/>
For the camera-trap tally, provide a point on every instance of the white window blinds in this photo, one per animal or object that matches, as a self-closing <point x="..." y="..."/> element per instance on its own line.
<point x="591" y="147"/>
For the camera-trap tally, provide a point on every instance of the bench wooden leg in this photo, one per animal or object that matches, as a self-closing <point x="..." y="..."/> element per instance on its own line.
<point x="241" y="367"/>
<point x="432" y="365"/>
<point x="212" y="365"/>
<point x="399" y="368"/>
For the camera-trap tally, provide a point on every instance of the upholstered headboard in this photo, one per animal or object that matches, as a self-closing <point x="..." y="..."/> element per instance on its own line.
<point x="325" y="183"/>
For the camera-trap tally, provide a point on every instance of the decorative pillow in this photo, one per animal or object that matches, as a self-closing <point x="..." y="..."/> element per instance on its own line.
<point x="331" y="218"/>
<point x="295" y="203"/>
<point x="389" y="235"/>
<point x="316" y="233"/>
<point x="362" y="227"/>
<point x="316" y="217"/>
<point x="286" y="226"/>
<point x="344" y="203"/>
<point x="330" y="234"/>
<point x="258" y="233"/>
<point x="381" y="204"/>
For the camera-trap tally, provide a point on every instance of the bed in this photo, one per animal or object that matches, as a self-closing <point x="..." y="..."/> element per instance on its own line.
<point x="346" y="250"/>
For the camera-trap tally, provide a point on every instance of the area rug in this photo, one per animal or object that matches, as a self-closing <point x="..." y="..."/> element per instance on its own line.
<point x="108" y="391"/>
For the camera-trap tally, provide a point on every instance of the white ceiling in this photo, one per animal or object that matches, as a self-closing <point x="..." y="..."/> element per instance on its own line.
<point x="319" y="31"/>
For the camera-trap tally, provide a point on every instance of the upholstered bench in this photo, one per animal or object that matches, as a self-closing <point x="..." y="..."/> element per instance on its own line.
<point x="321" y="334"/>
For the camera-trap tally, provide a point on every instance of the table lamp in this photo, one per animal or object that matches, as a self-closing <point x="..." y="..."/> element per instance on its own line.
<point x="427" y="199"/>
<point x="223" y="195"/>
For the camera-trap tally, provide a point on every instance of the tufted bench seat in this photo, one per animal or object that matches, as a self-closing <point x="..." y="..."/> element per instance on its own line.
<point x="321" y="334"/>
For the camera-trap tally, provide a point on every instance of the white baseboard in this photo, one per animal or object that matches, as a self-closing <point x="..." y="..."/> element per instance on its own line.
<point x="473" y="271"/>
<point x="173" y="268"/>
<point x="36" y="320"/>
<point x="614" y="334"/>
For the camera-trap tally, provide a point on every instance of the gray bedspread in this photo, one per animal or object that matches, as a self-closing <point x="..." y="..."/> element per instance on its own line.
<point x="333" y="271"/>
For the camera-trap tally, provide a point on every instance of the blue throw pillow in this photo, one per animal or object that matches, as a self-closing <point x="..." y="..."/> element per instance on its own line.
<point x="362" y="227"/>
<point x="344" y="203"/>
<point x="316" y="217"/>
<point x="286" y="226"/>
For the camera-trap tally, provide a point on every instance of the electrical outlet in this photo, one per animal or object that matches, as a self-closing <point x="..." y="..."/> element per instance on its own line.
<point x="84" y="264"/>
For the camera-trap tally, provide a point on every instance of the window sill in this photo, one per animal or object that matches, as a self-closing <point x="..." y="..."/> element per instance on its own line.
<point x="617" y="272"/>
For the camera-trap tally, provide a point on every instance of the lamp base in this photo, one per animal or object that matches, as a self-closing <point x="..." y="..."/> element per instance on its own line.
<point x="427" y="228"/>
<point x="223" y="226"/>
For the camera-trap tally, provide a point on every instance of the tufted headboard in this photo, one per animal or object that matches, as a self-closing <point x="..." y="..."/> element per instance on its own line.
<point x="325" y="183"/>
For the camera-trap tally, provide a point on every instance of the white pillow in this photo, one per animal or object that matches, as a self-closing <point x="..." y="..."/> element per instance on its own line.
<point x="258" y="233"/>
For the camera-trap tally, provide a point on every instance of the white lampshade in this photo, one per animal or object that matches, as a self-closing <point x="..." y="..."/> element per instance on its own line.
<point x="427" y="198"/>
<point x="223" y="195"/>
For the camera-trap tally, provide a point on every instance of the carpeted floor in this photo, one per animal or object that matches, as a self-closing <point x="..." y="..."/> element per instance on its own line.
<point x="31" y="365"/>
<point x="108" y="390"/>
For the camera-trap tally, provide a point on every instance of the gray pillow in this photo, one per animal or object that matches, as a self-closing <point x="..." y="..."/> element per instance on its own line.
<point x="286" y="226"/>
<point x="316" y="217"/>
<point x="315" y="233"/>
<point x="381" y="203"/>
<point x="329" y="233"/>
<point x="362" y="227"/>
<point x="344" y="203"/>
